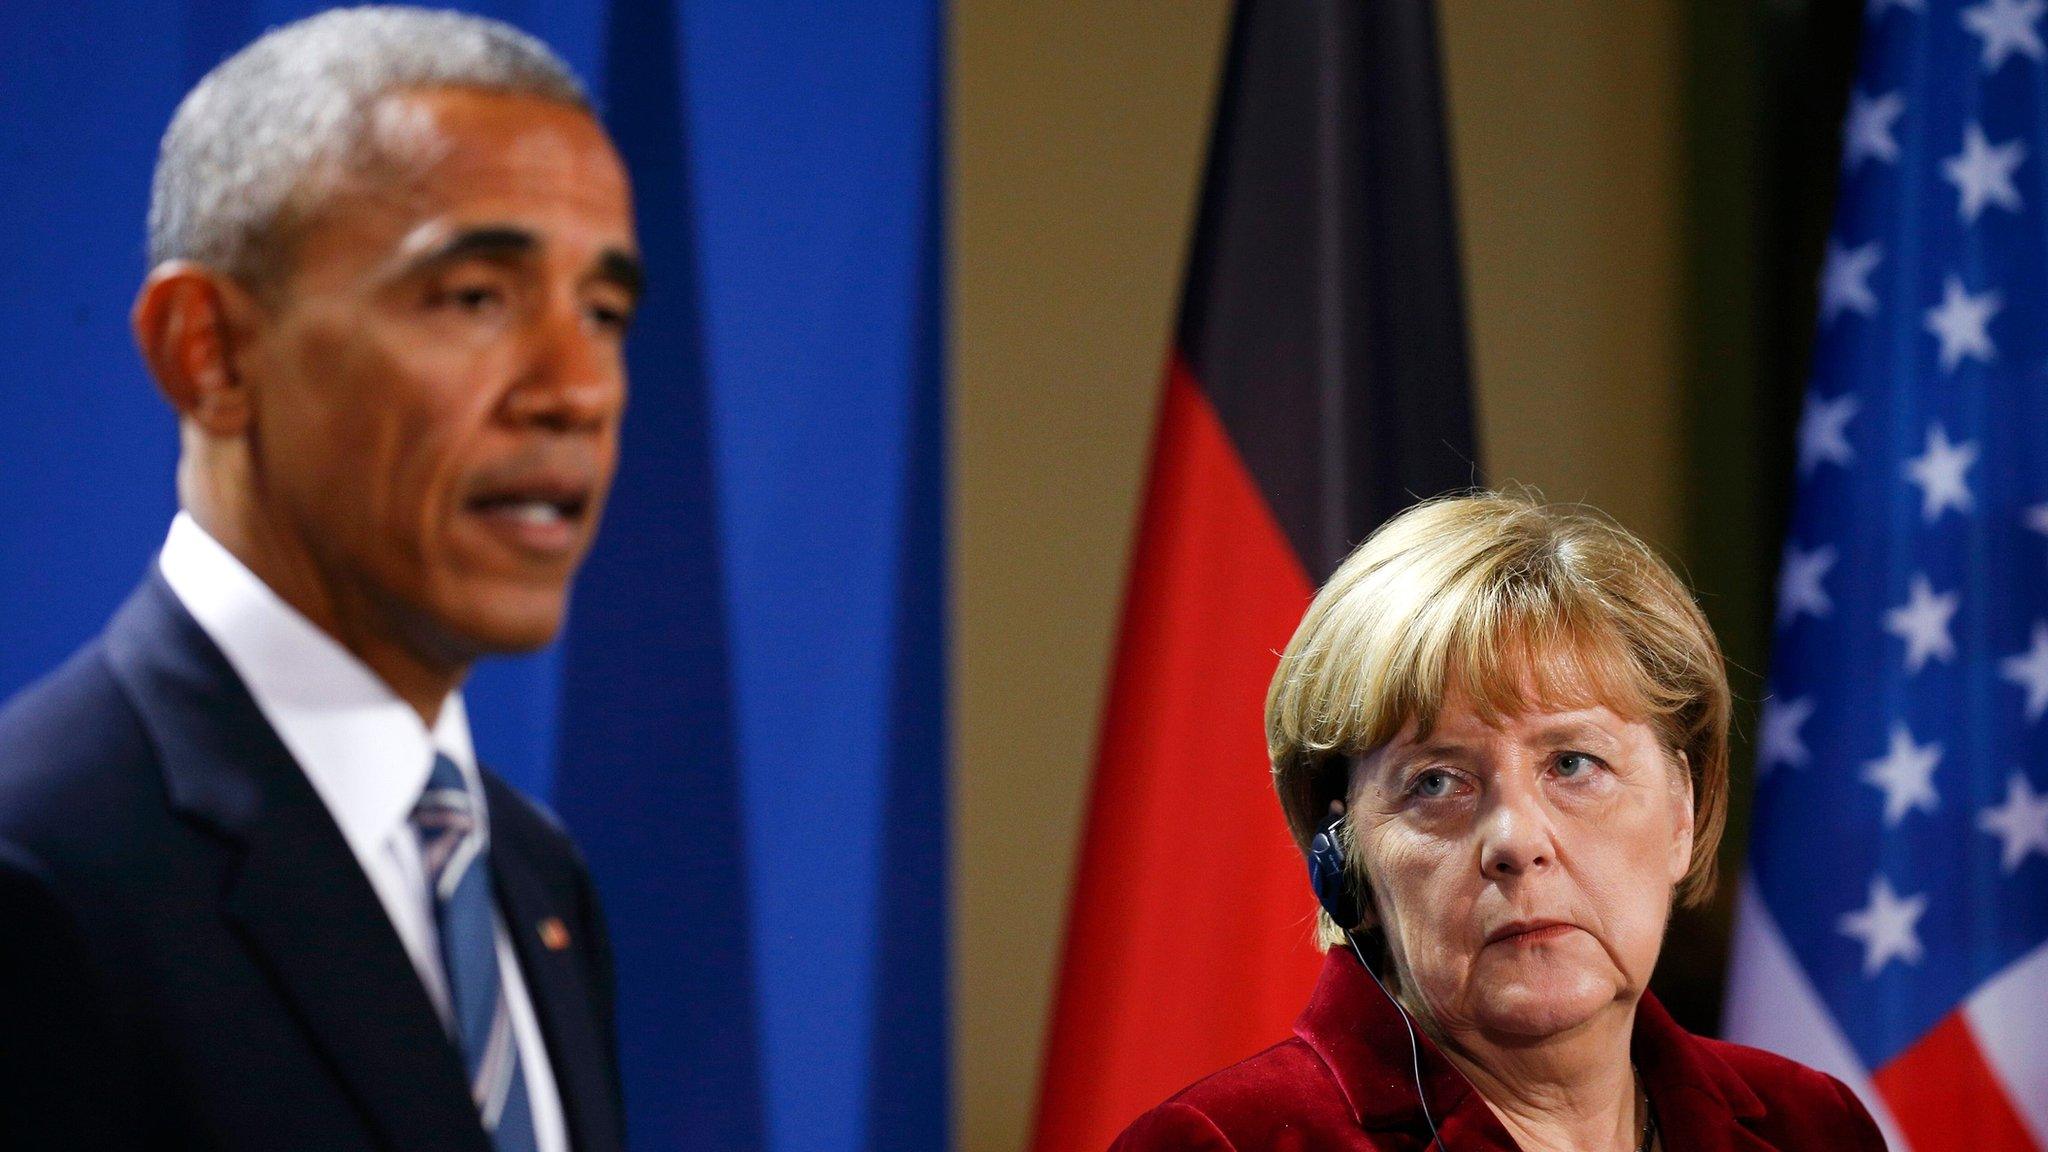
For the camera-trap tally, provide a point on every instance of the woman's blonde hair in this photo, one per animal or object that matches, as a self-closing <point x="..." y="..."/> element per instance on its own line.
<point x="1504" y="599"/>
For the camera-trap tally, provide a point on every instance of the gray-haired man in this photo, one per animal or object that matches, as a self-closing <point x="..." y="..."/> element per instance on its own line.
<point x="255" y="892"/>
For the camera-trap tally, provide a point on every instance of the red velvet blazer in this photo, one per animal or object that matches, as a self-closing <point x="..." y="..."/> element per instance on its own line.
<point x="1344" y="1082"/>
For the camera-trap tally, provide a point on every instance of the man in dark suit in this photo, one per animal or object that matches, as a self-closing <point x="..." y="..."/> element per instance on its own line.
<point x="255" y="892"/>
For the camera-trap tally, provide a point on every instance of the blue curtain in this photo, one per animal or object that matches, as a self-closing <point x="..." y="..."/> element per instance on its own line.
<point x="745" y="722"/>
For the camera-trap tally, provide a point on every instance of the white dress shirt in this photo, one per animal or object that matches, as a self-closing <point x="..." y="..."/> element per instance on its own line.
<point x="368" y="756"/>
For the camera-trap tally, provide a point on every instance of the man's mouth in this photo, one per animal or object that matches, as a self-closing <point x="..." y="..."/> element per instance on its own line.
<point x="532" y="509"/>
<point x="540" y="515"/>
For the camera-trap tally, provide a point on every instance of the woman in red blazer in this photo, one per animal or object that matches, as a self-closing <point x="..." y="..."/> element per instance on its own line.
<point x="1500" y="736"/>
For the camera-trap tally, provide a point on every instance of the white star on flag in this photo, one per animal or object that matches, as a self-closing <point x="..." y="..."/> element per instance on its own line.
<point x="2021" y="822"/>
<point x="1905" y="774"/>
<point x="1982" y="173"/>
<point x="2007" y="26"/>
<point x="1939" y="473"/>
<point x="1799" y="582"/>
<point x="1780" y="740"/>
<point x="1962" y="322"/>
<point x="2029" y="670"/>
<point x="1922" y="622"/>
<point x="1823" y="425"/>
<point x="1867" y="135"/>
<point x="1901" y="753"/>
<point x="1845" y="280"/>
<point x="1887" y="926"/>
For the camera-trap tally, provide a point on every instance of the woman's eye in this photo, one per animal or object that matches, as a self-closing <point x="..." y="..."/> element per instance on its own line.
<point x="1572" y="765"/>
<point x="1433" y="785"/>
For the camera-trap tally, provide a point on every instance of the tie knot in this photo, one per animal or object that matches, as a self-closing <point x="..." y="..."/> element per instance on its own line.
<point x="445" y="818"/>
<point x="446" y="776"/>
<point x="446" y="792"/>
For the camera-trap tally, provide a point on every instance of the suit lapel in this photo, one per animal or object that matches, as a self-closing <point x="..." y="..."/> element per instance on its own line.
<point x="558" y="983"/>
<point x="1691" y="1121"/>
<point x="1701" y="1104"/>
<point x="299" y="900"/>
<point x="306" y="910"/>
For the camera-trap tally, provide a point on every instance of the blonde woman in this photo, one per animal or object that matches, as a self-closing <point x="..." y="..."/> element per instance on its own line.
<point x="1500" y="736"/>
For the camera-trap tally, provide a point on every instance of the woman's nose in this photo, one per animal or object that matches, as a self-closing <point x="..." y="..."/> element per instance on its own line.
<point x="1515" y="835"/>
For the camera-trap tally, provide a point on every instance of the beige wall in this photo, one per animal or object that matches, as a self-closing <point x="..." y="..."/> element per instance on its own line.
<point x="1078" y="137"/>
<point x="1078" y="131"/>
<point x="1566" y="124"/>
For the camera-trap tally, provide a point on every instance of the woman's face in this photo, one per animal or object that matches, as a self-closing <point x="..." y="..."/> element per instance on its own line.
<point x="1523" y="872"/>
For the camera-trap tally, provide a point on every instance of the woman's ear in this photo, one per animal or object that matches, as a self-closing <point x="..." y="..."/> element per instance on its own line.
<point x="1368" y="907"/>
<point x="1682" y="802"/>
<point x="1368" y="914"/>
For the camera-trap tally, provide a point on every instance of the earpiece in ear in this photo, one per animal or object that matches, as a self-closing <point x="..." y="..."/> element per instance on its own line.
<point x="1333" y="884"/>
<point x="1329" y="874"/>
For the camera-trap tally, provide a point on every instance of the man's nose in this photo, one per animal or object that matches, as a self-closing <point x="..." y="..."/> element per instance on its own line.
<point x="574" y="375"/>
<point x="1516" y="834"/>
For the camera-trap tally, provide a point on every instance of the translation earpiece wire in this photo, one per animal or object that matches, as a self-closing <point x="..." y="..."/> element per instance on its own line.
<point x="1414" y="1049"/>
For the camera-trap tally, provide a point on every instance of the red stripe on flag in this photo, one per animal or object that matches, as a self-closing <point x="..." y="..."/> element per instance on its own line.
<point x="1945" y="1097"/>
<point x="1189" y="942"/>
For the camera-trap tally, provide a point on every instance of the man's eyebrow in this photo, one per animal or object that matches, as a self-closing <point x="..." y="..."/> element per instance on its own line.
<point x="623" y="269"/>
<point x="498" y="242"/>
<point x="615" y="265"/>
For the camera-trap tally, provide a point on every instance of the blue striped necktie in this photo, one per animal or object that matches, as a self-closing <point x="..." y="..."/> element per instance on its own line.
<point x="454" y="849"/>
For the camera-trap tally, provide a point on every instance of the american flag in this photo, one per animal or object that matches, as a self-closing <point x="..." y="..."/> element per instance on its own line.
<point x="1893" y="921"/>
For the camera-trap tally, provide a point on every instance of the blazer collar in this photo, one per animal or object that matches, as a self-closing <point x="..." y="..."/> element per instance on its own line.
<point x="1692" y="1090"/>
<point x="299" y="900"/>
<point x="220" y="759"/>
<point x="1359" y="1034"/>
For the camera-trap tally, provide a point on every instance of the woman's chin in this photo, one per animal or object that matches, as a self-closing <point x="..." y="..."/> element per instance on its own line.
<point x="1535" y="997"/>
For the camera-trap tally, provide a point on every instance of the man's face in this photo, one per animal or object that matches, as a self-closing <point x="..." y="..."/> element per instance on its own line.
<point x="438" y="378"/>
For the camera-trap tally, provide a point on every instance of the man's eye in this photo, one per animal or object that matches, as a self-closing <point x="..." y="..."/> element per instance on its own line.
<point x="616" y="319"/>
<point x="471" y="297"/>
<point x="475" y="298"/>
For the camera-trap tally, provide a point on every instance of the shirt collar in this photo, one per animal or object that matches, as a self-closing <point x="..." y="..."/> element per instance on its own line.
<point x="366" y="752"/>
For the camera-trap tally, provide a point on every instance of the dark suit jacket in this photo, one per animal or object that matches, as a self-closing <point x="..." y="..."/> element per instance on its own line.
<point x="1345" y="1080"/>
<point x="190" y="956"/>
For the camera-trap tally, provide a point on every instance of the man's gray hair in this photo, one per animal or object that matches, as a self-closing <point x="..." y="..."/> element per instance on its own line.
<point x="292" y="108"/>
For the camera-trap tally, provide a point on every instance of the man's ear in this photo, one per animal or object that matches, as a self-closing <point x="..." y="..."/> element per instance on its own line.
<point x="187" y="319"/>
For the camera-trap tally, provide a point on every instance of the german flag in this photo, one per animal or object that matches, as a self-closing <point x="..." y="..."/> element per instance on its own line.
<point x="1317" y="385"/>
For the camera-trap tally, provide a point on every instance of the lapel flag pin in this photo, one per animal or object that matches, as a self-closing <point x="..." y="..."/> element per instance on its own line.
<point x="554" y="934"/>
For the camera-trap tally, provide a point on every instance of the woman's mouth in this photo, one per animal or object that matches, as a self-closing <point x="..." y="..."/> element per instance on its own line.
<point x="1529" y="932"/>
